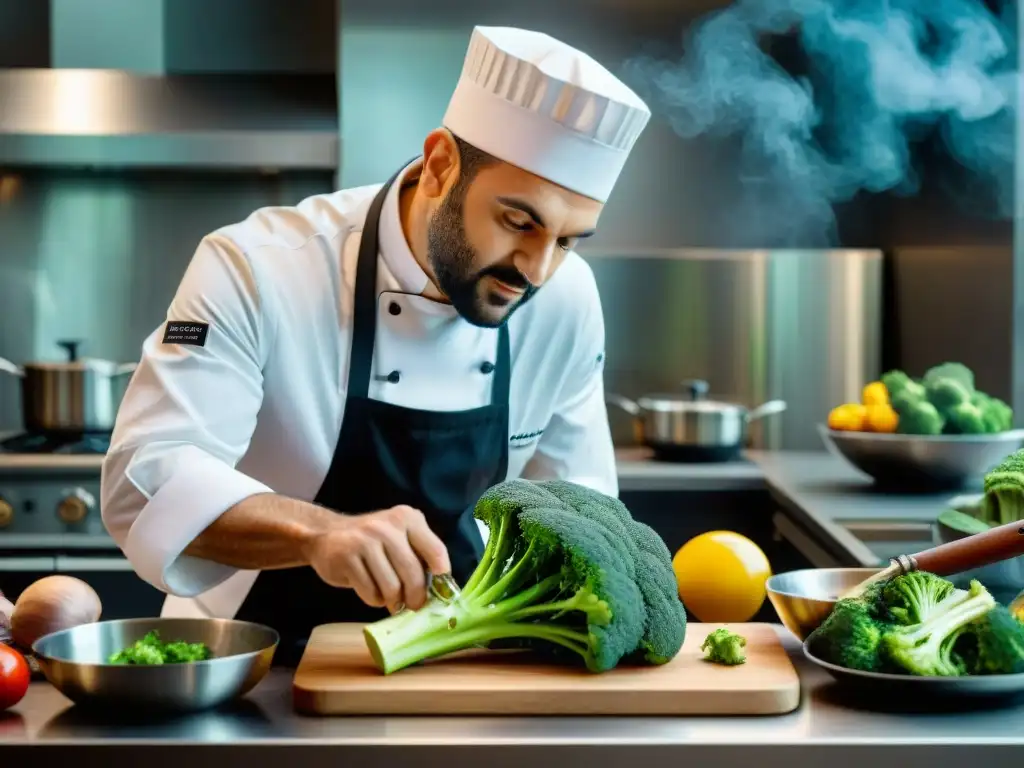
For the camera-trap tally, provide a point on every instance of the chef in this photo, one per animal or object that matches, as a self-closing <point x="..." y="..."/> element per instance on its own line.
<point x="337" y="382"/>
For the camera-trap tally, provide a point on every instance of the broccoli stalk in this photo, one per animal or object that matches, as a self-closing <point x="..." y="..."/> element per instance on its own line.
<point x="1004" y="490"/>
<point x="564" y="568"/>
<point x="927" y="648"/>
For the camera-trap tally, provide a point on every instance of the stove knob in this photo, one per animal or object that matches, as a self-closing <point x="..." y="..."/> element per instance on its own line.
<point x="6" y="514"/>
<point x="74" y="507"/>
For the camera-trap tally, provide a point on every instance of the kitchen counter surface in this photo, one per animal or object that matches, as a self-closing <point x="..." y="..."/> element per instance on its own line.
<point x="840" y="507"/>
<point x="826" y="729"/>
<point x="637" y="471"/>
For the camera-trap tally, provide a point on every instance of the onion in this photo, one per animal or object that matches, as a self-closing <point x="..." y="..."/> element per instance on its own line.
<point x="51" y="604"/>
<point x="6" y="610"/>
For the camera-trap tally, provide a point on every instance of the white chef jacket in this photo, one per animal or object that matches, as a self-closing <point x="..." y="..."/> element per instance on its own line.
<point x="259" y="407"/>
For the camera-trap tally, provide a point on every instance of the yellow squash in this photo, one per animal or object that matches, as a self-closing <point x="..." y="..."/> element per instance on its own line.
<point x="850" y="417"/>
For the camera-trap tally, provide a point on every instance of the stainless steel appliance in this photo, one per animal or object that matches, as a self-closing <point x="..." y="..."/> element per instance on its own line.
<point x="70" y="396"/>
<point x="802" y="326"/>
<point x="50" y="522"/>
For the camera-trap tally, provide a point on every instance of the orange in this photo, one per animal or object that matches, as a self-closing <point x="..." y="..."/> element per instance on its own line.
<point x="721" y="576"/>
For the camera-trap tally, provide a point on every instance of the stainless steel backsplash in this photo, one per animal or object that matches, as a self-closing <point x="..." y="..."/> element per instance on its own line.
<point x="97" y="257"/>
<point x="800" y="325"/>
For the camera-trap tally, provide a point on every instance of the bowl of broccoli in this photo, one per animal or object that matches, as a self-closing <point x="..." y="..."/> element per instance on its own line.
<point x="159" y="664"/>
<point x="946" y="433"/>
<point x="1001" y="502"/>
<point x="921" y="634"/>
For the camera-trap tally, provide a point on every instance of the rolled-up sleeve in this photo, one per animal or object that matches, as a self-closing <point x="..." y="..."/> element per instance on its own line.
<point x="577" y="442"/>
<point x="186" y="420"/>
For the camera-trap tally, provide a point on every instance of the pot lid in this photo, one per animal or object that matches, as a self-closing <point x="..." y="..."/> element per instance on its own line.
<point x="692" y="398"/>
<point x="73" y="361"/>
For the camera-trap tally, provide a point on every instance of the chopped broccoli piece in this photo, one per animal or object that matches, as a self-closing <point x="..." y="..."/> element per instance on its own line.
<point x="899" y="383"/>
<point x="724" y="647"/>
<point x="1004" y="490"/>
<point x="956" y="372"/>
<point x="150" y="650"/>
<point x="945" y="394"/>
<point x="917" y="416"/>
<point x="994" y="644"/>
<point x="997" y="415"/>
<point x="927" y="648"/>
<point x="566" y="570"/>
<point x="850" y="636"/>
<point x="915" y="597"/>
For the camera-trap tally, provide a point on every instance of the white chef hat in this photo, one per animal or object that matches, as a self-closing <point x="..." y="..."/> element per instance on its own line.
<point x="541" y="105"/>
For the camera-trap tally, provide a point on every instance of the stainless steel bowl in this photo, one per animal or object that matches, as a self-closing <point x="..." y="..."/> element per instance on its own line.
<point x="803" y="599"/>
<point x="75" y="662"/>
<point x="926" y="461"/>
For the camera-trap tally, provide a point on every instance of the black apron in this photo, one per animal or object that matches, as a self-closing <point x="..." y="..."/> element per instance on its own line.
<point x="438" y="462"/>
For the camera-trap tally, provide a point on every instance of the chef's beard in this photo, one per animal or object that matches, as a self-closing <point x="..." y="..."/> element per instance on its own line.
<point x="452" y="259"/>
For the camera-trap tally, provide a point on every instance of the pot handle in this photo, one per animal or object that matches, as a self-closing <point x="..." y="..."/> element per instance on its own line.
<point x="622" y="402"/>
<point x="767" y="409"/>
<point x="6" y="366"/>
<point x="125" y="369"/>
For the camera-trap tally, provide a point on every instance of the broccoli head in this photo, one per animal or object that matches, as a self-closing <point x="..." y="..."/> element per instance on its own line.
<point x="899" y="383"/>
<point x="1004" y="490"/>
<point x="996" y="414"/>
<point x="151" y="650"/>
<point x="566" y="570"/>
<point x="993" y="644"/>
<point x="724" y="647"/>
<point x="955" y="372"/>
<point x="850" y="636"/>
<point x="928" y="648"/>
<point x="917" y="416"/>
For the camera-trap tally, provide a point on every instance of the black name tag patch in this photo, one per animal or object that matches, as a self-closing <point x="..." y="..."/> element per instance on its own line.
<point x="186" y="333"/>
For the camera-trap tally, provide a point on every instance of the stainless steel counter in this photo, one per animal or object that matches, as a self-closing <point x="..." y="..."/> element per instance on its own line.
<point x="265" y="732"/>
<point x="840" y="512"/>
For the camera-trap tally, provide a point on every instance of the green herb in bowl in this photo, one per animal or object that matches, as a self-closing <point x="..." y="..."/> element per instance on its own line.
<point x="150" y="650"/>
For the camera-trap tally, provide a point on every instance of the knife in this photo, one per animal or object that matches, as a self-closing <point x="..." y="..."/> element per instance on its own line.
<point x="442" y="587"/>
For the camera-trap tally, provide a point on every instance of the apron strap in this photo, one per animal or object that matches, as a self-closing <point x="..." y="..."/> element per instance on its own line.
<point x="364" y="310"/>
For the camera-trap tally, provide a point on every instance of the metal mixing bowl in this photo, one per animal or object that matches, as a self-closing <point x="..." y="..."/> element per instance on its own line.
<point x="926" y="461"/>
<point x="803" y="599"/>
<point x="75" y="662"/>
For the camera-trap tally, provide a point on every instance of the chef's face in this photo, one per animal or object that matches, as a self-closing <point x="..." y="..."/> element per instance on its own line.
<point x="498" y="234"/>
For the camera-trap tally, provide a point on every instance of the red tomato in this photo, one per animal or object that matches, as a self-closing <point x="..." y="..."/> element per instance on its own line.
<point x="14" y="677"/>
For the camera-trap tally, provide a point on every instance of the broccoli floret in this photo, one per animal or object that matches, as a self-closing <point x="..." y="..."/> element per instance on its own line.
<point x="945" y="394"/>
<point x="899" y="383"/>
<point x="1004" y="490"/>
<point x="996" y="414"/>
<point x="965" y="419"/>
<point x="928" y="648"/>
<point x="917" y="416"/>
<point x="993" y="645"/>
<point x="915" y="597"/>
<point x="850" y="636"/>
<point x="562" y="571"/>
<point x="724" y="647"/>
<point x="957" y="372"/>
<point x="150" y="650"/>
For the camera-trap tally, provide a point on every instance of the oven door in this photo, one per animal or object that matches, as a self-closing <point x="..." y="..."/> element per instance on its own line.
<point x="122" y="593"/>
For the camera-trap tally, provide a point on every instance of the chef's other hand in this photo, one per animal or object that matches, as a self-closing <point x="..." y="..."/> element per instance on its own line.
<point x="382" y="555"/>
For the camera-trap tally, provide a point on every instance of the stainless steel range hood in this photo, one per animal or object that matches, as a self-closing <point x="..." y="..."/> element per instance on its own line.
<point x="111" y="102"/>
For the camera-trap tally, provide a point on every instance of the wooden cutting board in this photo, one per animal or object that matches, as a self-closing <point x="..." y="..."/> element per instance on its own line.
<point x="337" y="677"/>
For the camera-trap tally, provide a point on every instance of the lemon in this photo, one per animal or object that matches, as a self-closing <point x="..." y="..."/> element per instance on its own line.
<point x="721" y="576"/>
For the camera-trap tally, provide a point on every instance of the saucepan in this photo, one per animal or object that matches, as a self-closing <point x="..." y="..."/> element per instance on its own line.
<point x="70" y="396"/>
<point x="689" y="427"/>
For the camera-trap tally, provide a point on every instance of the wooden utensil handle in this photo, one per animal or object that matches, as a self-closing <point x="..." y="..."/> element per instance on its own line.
<point x="992" y="546"/>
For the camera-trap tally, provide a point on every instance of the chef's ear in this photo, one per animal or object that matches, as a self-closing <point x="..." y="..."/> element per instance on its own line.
<point x="440" y="163"/>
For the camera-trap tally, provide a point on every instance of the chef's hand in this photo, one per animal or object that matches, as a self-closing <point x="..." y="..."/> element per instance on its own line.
<point x="382" y="555"/>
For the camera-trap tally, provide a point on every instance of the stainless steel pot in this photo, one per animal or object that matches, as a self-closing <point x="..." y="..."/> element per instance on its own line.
<point x="688" y="426"/>
<point x="71" y="396"/>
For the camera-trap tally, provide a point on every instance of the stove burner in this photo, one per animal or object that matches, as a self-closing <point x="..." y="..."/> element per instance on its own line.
<point x="59" y="443"/>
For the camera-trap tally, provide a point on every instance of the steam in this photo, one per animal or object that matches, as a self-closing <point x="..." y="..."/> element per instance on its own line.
<point x="881" y="77"/>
